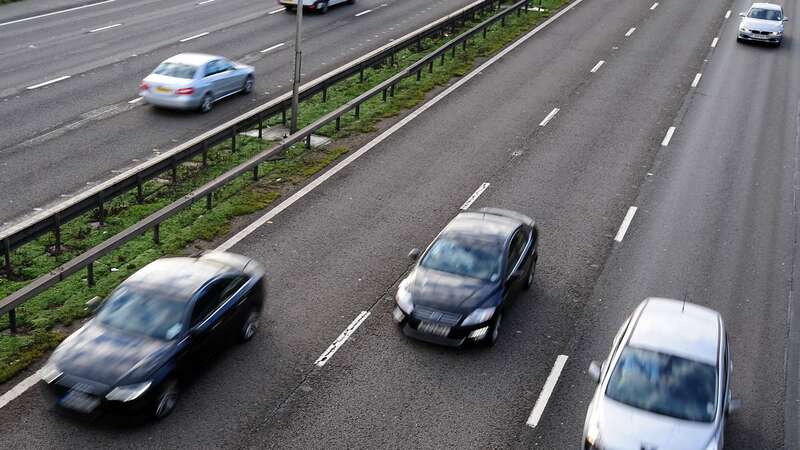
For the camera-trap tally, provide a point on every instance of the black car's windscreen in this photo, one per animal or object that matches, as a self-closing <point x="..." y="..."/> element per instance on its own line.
<point x="664" y="384"/>
<point x="764" y="14"/>
<point x="143" y="311"/>
<point x="471" y="258"/>
<point x="176" y="70"/>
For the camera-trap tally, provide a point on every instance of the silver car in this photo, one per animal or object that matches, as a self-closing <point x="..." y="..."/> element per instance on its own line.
<point x="763" y="22"/>
<point x="666" y="382"/>
<point x="320" y="6"/>
<point x="194" y="80"/>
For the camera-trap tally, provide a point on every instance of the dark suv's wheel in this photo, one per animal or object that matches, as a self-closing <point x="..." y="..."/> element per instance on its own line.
<point x="494" y="330"/>
<point x="166" y="399"/>
<point x="249" y="326"/>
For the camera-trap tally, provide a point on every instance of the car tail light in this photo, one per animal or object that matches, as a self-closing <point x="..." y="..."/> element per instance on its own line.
<point x="144" y="86"/>
<point x="184" y="91"/>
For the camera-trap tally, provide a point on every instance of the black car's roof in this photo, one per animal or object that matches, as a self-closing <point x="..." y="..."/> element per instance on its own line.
<point x="181" y="276"/>
<point x="482" y="225"/>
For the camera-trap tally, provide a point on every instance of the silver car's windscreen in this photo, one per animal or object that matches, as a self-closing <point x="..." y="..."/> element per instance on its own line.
<point x="764" y="14"/>
<point x="664" y="384"/>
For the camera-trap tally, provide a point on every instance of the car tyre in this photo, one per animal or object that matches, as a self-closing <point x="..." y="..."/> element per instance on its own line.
<point x="249" y="82"/>
<point x="207" y="104"/>
<point x="166" y="399"/>
<point x="322" y="7"/>
<point x="249" y="326"/>
<point x="494" y="331"/>
<point x="291" y="9"/>
<point x="529" y="277"/>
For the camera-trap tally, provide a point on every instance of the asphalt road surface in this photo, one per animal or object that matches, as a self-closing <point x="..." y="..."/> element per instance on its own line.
<point x="715" y="223"/>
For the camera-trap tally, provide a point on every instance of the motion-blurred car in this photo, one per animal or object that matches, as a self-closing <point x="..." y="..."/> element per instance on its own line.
<point x="465" y="279"/>
<point x="158" y="325"/>
<point x="320" y="6"/>
<point x="763" y="22"/>
<point x="194" y="80"/>
<point x="666" y="383"/>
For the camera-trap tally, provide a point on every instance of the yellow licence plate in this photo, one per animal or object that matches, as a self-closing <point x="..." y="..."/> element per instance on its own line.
<point x="163" y="90"/>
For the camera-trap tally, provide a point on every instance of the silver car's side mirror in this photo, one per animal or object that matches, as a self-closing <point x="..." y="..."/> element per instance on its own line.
<point x="741" y="14"/>
<point x="785" y="19"/>
<point x="734" y="404"/>
<point x="594" y="371"/>
<point x="413" y="254"/>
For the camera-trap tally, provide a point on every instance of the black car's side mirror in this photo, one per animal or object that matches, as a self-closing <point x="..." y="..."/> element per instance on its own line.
<point x="594" y="371"/>
<point x="413" y="254"/>
<point x="94" y="304"/>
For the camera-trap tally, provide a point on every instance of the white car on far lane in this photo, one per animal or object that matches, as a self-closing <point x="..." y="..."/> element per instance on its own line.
<point x="763" y="22"/>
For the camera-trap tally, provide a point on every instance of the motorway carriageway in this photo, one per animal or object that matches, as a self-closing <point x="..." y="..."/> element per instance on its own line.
<point x="547" y="130"/>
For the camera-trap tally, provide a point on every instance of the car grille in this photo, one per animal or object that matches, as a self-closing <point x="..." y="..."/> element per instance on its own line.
<point x="434" y="315"/>
<point x="759" y="32"/>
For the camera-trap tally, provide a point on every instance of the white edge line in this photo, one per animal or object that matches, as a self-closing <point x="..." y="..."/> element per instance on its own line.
<point x="19" y="389"/>
<point x="269" y="215"/>
<point x="630" y="32"/>
<point x="364" y="12"/>
<point x="696" y="80"/>
<point x="136" y="100"/>
<point x="547" y="391"/>
<point x="56" y="12"/>
<point x="668" y="137"/>
<point x="549" y="117"/>
<point x="54" y="80"/>
<point x="714" y="42"/>
<point x="597" y="66"/>
<point x="205" y="33"/>
<point x="273" y="47"/>
<point x="626" y="222"/>
<point x="105" y="28"/>
<point x="276" y="11"/>
<point x="333" y="348"/>
<point x="204" y="2"/>
<point x="728" y="14"/>
<point x="655" y="5"/>
<point x="474" y="196"/>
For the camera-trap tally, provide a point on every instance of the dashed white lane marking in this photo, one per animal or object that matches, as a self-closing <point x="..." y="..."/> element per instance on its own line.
<point x="269" y="215"/>
<point x="54" y="80"/>
<point x="273" y="47"/>
<point x="549" y="117"/>
<point x="655" y="5"/>
<point x="136" y="100"/>
<point x="714" y="42"/>
<point x="56" y="12"/>
<point x="19" y="389"/>
<point x="696" y="80"/>
<point x="327" y="354"/>
<point x="204" y="2"/>
<point x="547" y="391"/>
<point x="364" y="12"/>
<point x="276" y="11"/>
<point x="105" y="28"/>
<point x="597" y="66"/>
<point x="668" y="137"/>
<point x="205" y="33"/>
<point x="626" y="222"/>
<point x="728" y="14"/>
<point x="630" y="32"/>
<point x="474" y="196"/>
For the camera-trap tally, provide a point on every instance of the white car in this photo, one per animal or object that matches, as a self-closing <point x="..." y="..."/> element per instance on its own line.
<point x="763" y="22"/>
<point x="320" y="6"/>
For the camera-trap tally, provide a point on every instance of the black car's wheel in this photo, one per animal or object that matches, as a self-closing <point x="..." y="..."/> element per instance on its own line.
<point x="249" y="82"/>
<point x="166" y="399"/>
<point x="494" y="330"/>
<point x="207" y="104"/>
<point x="249" y="326"/>
<point x="322" y="7"/>
<point x="529" y="276"/>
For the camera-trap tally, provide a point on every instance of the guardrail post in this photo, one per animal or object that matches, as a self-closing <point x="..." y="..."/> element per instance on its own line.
<point x="233" y="139"/>
<point x="430" y="67"/>
<point x="325" y="94"/>
<point x="12" y="321"/>
<point x="101" y="213"/>
<point x="205" y="153"/>
<point x="308" y="141"/>
<point x="139" y="189"/>
<point x="464" y="44"/>
<point x="391" y="90"/>
<point x="209" y="199"/>
<point x="419" y="74"/>
<point x="361" y="75"/>
<point x="7" y="255"/>
<point x="453" y="51"/>
<point x="358" y="110"/>
<point x="174" y="171"/>
<point x="90" y="274"/>
<point x="156" y="237"/>
<point x="57" y="233"/>
<point x="260" y="126"/>
<point x="283" y="117"/>
<point x="384" y="95"/>
<point x="419" y="45"/>
<point x="255" y="172"/>
<point x="338" y="123"/>
<point x="484" y="32"/>
<point x="503" y="21"/>
<point x="441" y="61"/>
<point x="391" y="59"/>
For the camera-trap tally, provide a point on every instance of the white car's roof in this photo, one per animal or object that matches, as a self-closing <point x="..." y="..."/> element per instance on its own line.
<point x="678" y="328"/>
<point x="766" y="6"/>
<point x="192" y="59"/>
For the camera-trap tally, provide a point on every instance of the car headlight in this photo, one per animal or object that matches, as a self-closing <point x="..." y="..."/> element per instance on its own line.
<point x="50" y="372"/>
<point x="480" y="315"/>
<point x="777" y="33"/>
<point x="403" y="297"/>
<point x="129" y="392"/>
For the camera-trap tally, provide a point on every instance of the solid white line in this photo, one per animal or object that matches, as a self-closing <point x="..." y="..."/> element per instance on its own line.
<point x="276" y="11"/>
<point x="194" y="37"/>
<point x="626" y="222"/>
<point x="655" y="5"/>
<point x="327" y="354"/>
<point x="204" y="2"/>
<point x="668" y="137"/>
<point x="474" y="196"/>
<point x="597" y="66"/>
<point x="136" y="100"/>
<point x="105" y="28"/>
<point x="54" y="80"/>
<point x="714" y="42"/>
<point x="547" y="391"/>
<point x="269" y="215"/>
<point x="696" y="80"/>
<point x="728" y="14"/>
<point x="56" y="12"/>
<point x="364" y="12"/>
<point x="549" y="117"/>
<point x="273" y="47"/>
<point x="19" y="389"/>
<point x="630" y="32"/>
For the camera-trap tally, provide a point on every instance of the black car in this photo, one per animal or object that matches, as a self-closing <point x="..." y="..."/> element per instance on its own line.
<point x="464" y="280"/>
<point x="156" y="327"/>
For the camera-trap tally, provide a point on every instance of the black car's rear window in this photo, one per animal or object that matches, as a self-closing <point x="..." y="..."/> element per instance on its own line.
<point x="176" y="70"/>
<point x="664" y="384"/>
<point x="143" y="311"/>
<point x="471" y="258"/>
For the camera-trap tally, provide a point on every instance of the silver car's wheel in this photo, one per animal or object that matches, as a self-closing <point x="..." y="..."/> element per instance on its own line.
<point x="249" y="82"/>
<point x="208" y="103"/>
<point x="167" y="399"/>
